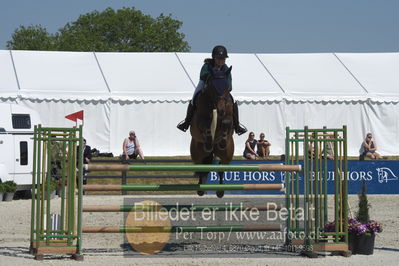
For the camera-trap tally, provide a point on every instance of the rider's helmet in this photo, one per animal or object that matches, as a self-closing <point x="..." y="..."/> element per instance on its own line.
<point x="219" y="52"/>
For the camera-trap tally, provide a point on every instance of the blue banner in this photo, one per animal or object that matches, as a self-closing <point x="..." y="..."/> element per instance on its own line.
<point x="381" y="177"/>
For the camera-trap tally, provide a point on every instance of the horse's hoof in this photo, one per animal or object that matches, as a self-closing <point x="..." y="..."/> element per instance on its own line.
<point x="200" y="193"/>
<point x="220" y="194"/>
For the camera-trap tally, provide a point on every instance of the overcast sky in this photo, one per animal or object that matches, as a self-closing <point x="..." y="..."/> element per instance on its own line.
<point x="243" y="26"/>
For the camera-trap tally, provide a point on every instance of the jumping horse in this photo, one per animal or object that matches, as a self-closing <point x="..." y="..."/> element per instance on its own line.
<point x="212" y="125"/>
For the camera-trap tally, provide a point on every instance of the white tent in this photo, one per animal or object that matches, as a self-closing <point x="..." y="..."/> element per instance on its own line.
<point x="149" y="92"/>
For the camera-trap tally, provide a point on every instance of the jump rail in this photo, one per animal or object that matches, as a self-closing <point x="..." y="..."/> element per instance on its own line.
<point x="194" y="167"/>
<point x="181" y="187"/>
<point x="154" y="208"/>
<point x="168" y="229"/>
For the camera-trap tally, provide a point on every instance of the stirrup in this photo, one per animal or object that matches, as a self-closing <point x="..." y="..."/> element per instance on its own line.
<point x="241" y="129"/>
<point x="183" y="125"/>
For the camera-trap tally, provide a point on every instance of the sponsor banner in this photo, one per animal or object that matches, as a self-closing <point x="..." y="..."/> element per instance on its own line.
<point x="381" y="177"/>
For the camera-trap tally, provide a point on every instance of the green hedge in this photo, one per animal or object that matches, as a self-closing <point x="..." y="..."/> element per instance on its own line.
<point x="2" y="188"/>
<point x="10" y="186"/>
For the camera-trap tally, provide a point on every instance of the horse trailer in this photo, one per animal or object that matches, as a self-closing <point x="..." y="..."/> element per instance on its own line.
<point x="16" y="144"/>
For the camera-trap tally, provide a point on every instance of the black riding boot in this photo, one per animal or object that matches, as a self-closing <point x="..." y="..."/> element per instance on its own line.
<point x="236" y="123"/>
<point x="185" y="124"/>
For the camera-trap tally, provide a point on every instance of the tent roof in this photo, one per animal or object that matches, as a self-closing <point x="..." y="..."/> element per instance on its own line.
<point x="377" y="72"/>
<point x="173" y="76"/>
<point x="8" y="81"/>
<point x="312" y="75"/>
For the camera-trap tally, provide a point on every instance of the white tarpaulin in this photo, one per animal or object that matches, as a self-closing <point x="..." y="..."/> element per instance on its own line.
<point x="149" y="93"/>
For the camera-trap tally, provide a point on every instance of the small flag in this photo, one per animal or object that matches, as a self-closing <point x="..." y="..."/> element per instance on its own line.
<point x="75" y="116"/>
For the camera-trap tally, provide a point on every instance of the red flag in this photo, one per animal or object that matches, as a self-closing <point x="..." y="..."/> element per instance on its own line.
<point x="75" y="116"/>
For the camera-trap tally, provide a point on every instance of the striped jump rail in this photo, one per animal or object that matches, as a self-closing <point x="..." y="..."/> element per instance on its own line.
<point x="154" y="208"/>
<point x="182" y="187"/>
<point x="170" y="229"/>
<point x="194" y="167"/>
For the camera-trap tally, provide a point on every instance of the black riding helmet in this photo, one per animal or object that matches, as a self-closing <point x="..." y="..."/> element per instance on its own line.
<point x="219" y="52"/>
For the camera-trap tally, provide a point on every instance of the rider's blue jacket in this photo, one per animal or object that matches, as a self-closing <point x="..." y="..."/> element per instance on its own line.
<point x="205" y="71"/>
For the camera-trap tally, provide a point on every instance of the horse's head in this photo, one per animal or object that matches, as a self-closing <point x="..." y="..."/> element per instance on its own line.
<point x="217" y="87"/>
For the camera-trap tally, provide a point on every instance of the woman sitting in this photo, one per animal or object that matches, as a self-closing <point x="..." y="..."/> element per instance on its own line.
<point x="370" y="147"/>
<point x="263" y="147"/>
<point x="249" y="152"/>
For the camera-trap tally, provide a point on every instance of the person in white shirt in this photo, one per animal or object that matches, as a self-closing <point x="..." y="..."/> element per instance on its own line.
<point x="131" y="147"/>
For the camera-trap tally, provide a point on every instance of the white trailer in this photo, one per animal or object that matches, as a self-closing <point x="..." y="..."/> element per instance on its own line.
<point x="16" y="144"/>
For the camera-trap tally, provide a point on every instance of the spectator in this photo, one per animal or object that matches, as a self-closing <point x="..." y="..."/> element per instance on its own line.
<point x="311" y="150"/>
<point x="56" y="157"/>
<point x="263" y="147"/>
<point x="86" y="153"/>
<point x="249" y="152"/>
<point x="370" y="147"/>
<point x="131" y="147"/>
<point x="329" y="149"/>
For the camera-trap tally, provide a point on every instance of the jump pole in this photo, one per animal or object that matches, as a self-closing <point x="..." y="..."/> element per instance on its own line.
<point x="170" y="229"/>
<point x="181" y="187"/>
<point x="155" y="208"/>
<point x="194" y="167"/>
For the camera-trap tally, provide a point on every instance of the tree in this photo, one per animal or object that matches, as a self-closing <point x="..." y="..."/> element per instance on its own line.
<point x="32" y="38"/>
<point x="363" y="213"/>
<point x="123" y="30"/>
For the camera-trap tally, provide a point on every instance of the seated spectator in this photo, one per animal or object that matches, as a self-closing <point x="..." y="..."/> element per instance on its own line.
<point x="370" y="147"/>
<point x="131" y="147"/>
<point x="311" y="150"/>
<point x="86" y="153"/>
<point x="56" y="157"/>
<point x="329" y="150"/>
<point x="263" y="147"/>
<point x="249" y="152"/>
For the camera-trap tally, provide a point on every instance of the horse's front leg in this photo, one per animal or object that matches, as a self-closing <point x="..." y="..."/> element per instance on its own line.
<point x="220" y="193"/>
<point x="225" y="156"/>
<point x="202" y="178"/>
<point x="226" y="125"/>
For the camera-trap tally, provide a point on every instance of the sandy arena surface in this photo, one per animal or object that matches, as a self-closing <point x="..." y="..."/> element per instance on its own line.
<point x="108" y="249"/>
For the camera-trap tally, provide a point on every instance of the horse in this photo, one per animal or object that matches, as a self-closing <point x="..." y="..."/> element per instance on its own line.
<point x="211" y="127"/>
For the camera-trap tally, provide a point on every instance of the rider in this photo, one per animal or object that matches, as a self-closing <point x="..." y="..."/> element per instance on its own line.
<point x="219" y="55"/>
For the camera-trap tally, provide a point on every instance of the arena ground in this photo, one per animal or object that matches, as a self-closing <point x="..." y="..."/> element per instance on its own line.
<point x="108" y="249"/>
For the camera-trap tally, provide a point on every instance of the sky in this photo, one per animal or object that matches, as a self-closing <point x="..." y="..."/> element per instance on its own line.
<point x="243" y="26"/>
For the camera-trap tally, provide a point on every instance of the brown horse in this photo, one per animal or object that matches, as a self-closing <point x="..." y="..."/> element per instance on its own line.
<point x="212" y="125"/>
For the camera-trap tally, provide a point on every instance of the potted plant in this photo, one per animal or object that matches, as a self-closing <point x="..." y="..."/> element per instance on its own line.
<point x="2" y="190"/>
<point x="9" y="188"/>
<point x="53" y="188"/>
<point x="361" y="230"/>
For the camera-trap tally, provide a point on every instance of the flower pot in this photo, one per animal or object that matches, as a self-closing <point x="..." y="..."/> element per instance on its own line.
<point x="365" y="244"/>
<point x="351" y="243"/>
<point x="8" y="196"/>
<point x="362" y="244"/>
<point x="1" y="196"/>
